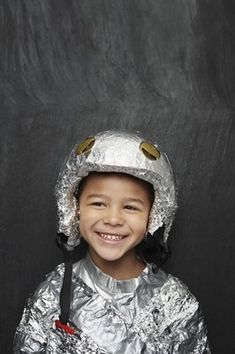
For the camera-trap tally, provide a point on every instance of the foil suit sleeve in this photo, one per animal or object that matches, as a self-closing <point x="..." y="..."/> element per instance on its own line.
<point x="38" y="317"/>
<point x="29" y="336"/>
<point x="193" y="335"/>
<point x="172" y="321"/>
<point x="189" y="325"/>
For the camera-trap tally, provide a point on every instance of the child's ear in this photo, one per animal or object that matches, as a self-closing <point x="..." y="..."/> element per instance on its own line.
<point x="78" y="213"/>
<point x="149" y="221"/>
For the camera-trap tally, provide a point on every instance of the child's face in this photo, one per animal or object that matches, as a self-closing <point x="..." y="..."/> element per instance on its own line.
<point x="114" y="210"/>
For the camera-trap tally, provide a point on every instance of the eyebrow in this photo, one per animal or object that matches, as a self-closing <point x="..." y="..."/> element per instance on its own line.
<point x="135" y="200"/>
<point x="96" y="195"/>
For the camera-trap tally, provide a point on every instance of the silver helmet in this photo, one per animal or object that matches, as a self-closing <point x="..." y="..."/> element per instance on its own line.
<point x="114" y="151"/>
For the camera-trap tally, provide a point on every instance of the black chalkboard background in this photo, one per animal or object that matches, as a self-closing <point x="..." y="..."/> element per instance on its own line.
<point x="70" y="68"/>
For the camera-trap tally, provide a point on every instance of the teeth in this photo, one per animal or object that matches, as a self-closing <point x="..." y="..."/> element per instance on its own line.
<point x="111" y="237"/>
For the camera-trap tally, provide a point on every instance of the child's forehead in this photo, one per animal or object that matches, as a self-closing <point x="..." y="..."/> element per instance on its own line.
<point x="115" y="180"/>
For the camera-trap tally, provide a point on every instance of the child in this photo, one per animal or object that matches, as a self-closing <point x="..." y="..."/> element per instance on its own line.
<point x="116" y="200"/>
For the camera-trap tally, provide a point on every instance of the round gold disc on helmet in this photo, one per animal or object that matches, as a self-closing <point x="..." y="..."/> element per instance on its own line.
<point x="85" y="146"/>
<point x="149" y="150"/>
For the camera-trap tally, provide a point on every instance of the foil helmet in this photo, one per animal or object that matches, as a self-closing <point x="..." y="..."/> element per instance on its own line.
<point x="115" y="151"/>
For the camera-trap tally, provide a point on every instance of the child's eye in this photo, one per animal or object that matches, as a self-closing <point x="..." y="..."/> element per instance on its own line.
<point x="98" y="204"/>
<point x="131" y="207"/>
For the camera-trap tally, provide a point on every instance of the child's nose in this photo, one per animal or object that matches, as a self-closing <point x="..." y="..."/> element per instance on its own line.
<point x="113" y="217"/>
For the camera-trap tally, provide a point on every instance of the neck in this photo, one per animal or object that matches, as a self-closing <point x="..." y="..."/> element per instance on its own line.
<point x="127" y="267"/>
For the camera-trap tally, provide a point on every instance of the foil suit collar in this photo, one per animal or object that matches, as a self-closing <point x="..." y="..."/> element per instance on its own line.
<point x="107" y="285"/>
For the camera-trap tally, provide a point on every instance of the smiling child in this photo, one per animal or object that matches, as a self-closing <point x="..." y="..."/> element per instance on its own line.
<point x="116" y="203"/>
<point x="114" y="210"/>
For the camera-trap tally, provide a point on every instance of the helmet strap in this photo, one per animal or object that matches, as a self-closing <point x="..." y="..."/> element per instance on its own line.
<point x="65" y="292"/>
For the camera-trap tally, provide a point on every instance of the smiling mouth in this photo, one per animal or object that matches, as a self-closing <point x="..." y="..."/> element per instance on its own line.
<point x="111" y="237"/>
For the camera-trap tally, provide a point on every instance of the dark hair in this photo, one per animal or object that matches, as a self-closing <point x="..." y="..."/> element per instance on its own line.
<point x="153" y="249"/>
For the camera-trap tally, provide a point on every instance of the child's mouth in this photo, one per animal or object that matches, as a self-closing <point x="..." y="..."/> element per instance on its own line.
<point x="110" y="237"/>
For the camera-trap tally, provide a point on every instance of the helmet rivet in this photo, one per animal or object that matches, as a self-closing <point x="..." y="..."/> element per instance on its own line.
<point x="149" y="150"/>
<point x="85" y="146"/>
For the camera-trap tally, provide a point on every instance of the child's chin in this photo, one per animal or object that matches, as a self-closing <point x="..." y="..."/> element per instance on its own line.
<point x="111" y="256"/>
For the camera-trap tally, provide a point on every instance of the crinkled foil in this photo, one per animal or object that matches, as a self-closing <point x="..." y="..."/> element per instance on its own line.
<point x="154" y="313"/>
<point x="116" y="152"/>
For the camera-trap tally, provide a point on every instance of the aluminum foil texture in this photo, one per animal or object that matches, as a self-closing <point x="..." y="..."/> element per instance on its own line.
<point x="154" y="313"/>
<point x="116" y="152"/>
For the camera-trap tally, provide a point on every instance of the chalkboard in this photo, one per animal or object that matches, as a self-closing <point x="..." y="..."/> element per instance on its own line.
<point x="72" y="68"/>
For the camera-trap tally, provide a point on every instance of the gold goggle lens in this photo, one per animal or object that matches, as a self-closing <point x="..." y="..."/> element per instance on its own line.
<point x="85" y="146"/>
<point x="150" y="151"/>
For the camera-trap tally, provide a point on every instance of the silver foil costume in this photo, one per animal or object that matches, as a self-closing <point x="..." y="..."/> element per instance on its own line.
<point x="154" y="313"/>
